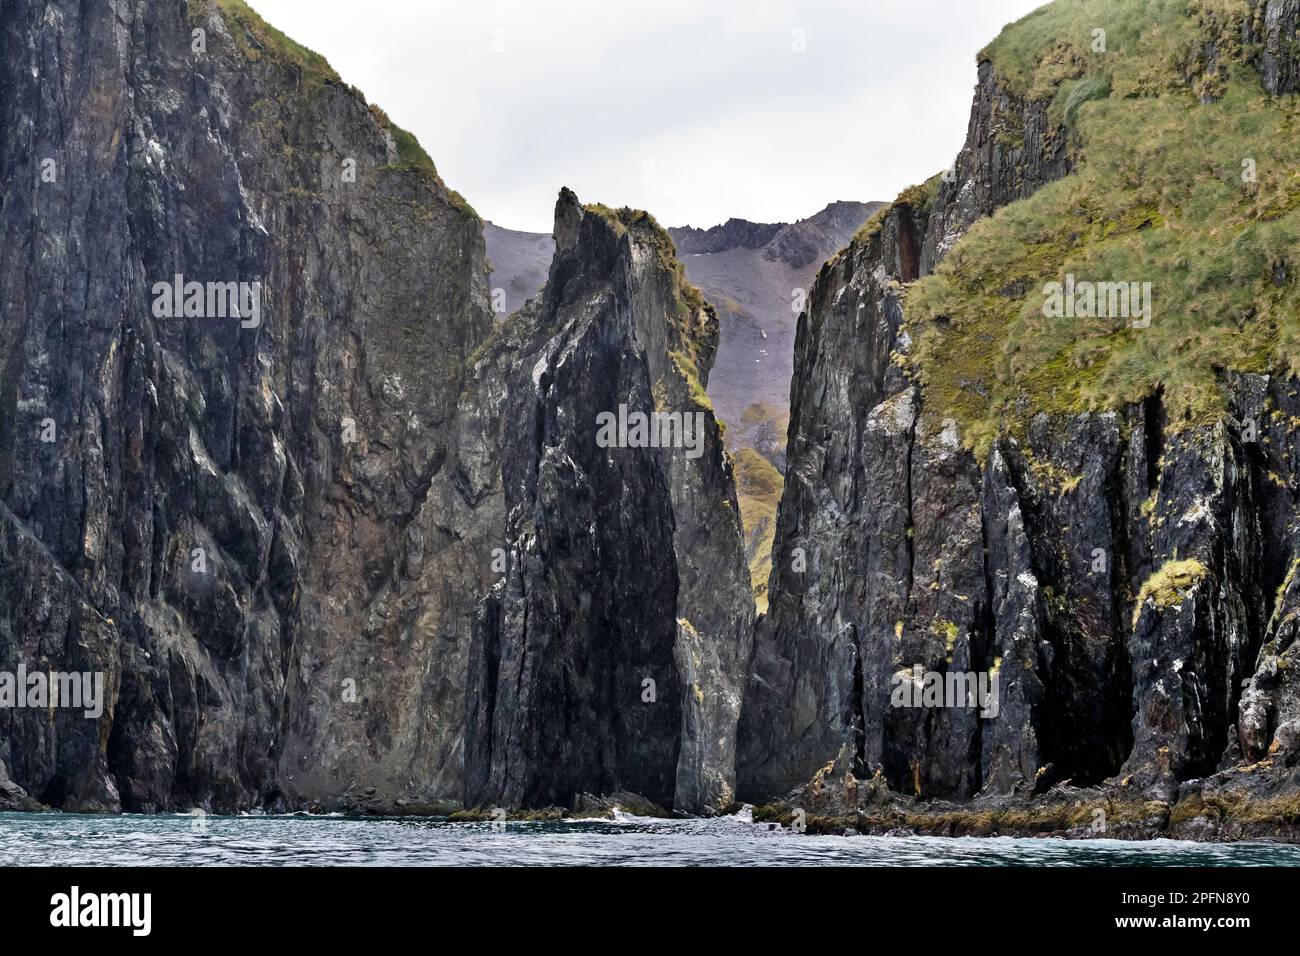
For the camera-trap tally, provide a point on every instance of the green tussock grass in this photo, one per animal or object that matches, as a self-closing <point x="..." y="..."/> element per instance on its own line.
<point x="409" y="151"/>
<point x="1150" y="45"/>
<point x="258" y="40"/>
<point x="758" y="492"/>
<point x="1074" y="95"/>
<point x="1168" y="586"/>
<point x="1159" y="198"/>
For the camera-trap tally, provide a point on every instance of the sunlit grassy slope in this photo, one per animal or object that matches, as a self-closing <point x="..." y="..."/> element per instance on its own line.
<point x="1202" y="200"/>
<point x="758" y="491"/>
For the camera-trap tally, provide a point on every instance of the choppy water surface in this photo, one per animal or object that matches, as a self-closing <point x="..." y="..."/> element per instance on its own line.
<point x="65" y="839"/>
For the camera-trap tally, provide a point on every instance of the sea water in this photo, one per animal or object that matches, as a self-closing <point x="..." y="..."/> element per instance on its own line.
<point x="58" y="839"/>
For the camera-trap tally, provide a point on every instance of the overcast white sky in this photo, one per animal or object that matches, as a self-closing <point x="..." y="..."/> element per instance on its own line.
<point x="697" y="110"/>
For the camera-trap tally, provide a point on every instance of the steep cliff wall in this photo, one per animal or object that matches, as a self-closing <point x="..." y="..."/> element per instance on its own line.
<point x="1099" y="513"/>
<point x="610" y="655"/>
<point x="879" y="536"/>
<point x="217" y="516"/>
<point x="273" y="533"/>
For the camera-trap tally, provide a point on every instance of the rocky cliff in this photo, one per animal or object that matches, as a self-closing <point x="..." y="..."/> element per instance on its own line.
<point x="1100" y="513"/>
<point x="329" y="536"/>
<point x="217" y="513"/>
<point x="610" y="655"/>
<point x="756" y="275"/>
<point x="256" y="474"/>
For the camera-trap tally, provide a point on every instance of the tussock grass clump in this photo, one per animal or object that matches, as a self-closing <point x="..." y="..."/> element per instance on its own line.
<point x="1199" y="199"/>
<point x="758" y="492"/>
<point x="1163" y="197"/>
<point x="1168" y="586"/>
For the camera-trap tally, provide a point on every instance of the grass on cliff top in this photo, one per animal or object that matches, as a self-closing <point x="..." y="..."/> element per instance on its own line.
<point x="1162" y="196"/>
<point x="920" y="197"/>
<point x="1148" y="46"/>
<point x="258" y="39"/>
<point x="409" y="151"/>
<point x="689" y="298"/>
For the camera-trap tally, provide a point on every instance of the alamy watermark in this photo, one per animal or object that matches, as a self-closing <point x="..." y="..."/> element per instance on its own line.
<point x="41" y="690"/>
<point x="179" y="299"/>
<point x="73" y="909"/>
<point x="921" y="688"/>
<point x="1073" y="299"/>
<point x="654" y="430"/>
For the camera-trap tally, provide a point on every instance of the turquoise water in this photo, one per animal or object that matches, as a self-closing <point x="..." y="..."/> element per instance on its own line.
<point x="66" y="839"/>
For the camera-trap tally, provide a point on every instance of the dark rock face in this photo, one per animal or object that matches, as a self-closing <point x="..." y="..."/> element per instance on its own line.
<point x="749" y="272"/>
<point x="364" y="549"/>
<point x="227" y="521"/>
<point x="610" y="654"/>
<point x="273" y="538"/>
<point x="801" y="706"/>
<point x="13" y="798"/>
<point x="1273" y="27"/>
<point x="1117" y="575"/>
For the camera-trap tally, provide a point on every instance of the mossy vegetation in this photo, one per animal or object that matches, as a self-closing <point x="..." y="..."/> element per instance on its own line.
<point x="1168" y="586"/>
<point x="258" y="40"/>
<point x="1200" y="200"/>
<point x="950" y="633"/>
<point x="410" y="154"/>
<point x="1279" y="598"/>
<point x="1145" y="46"/>
<point x="758" y="492"/>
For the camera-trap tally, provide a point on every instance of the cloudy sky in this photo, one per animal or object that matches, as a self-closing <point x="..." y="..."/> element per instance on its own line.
<point x="697" y="110"/>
